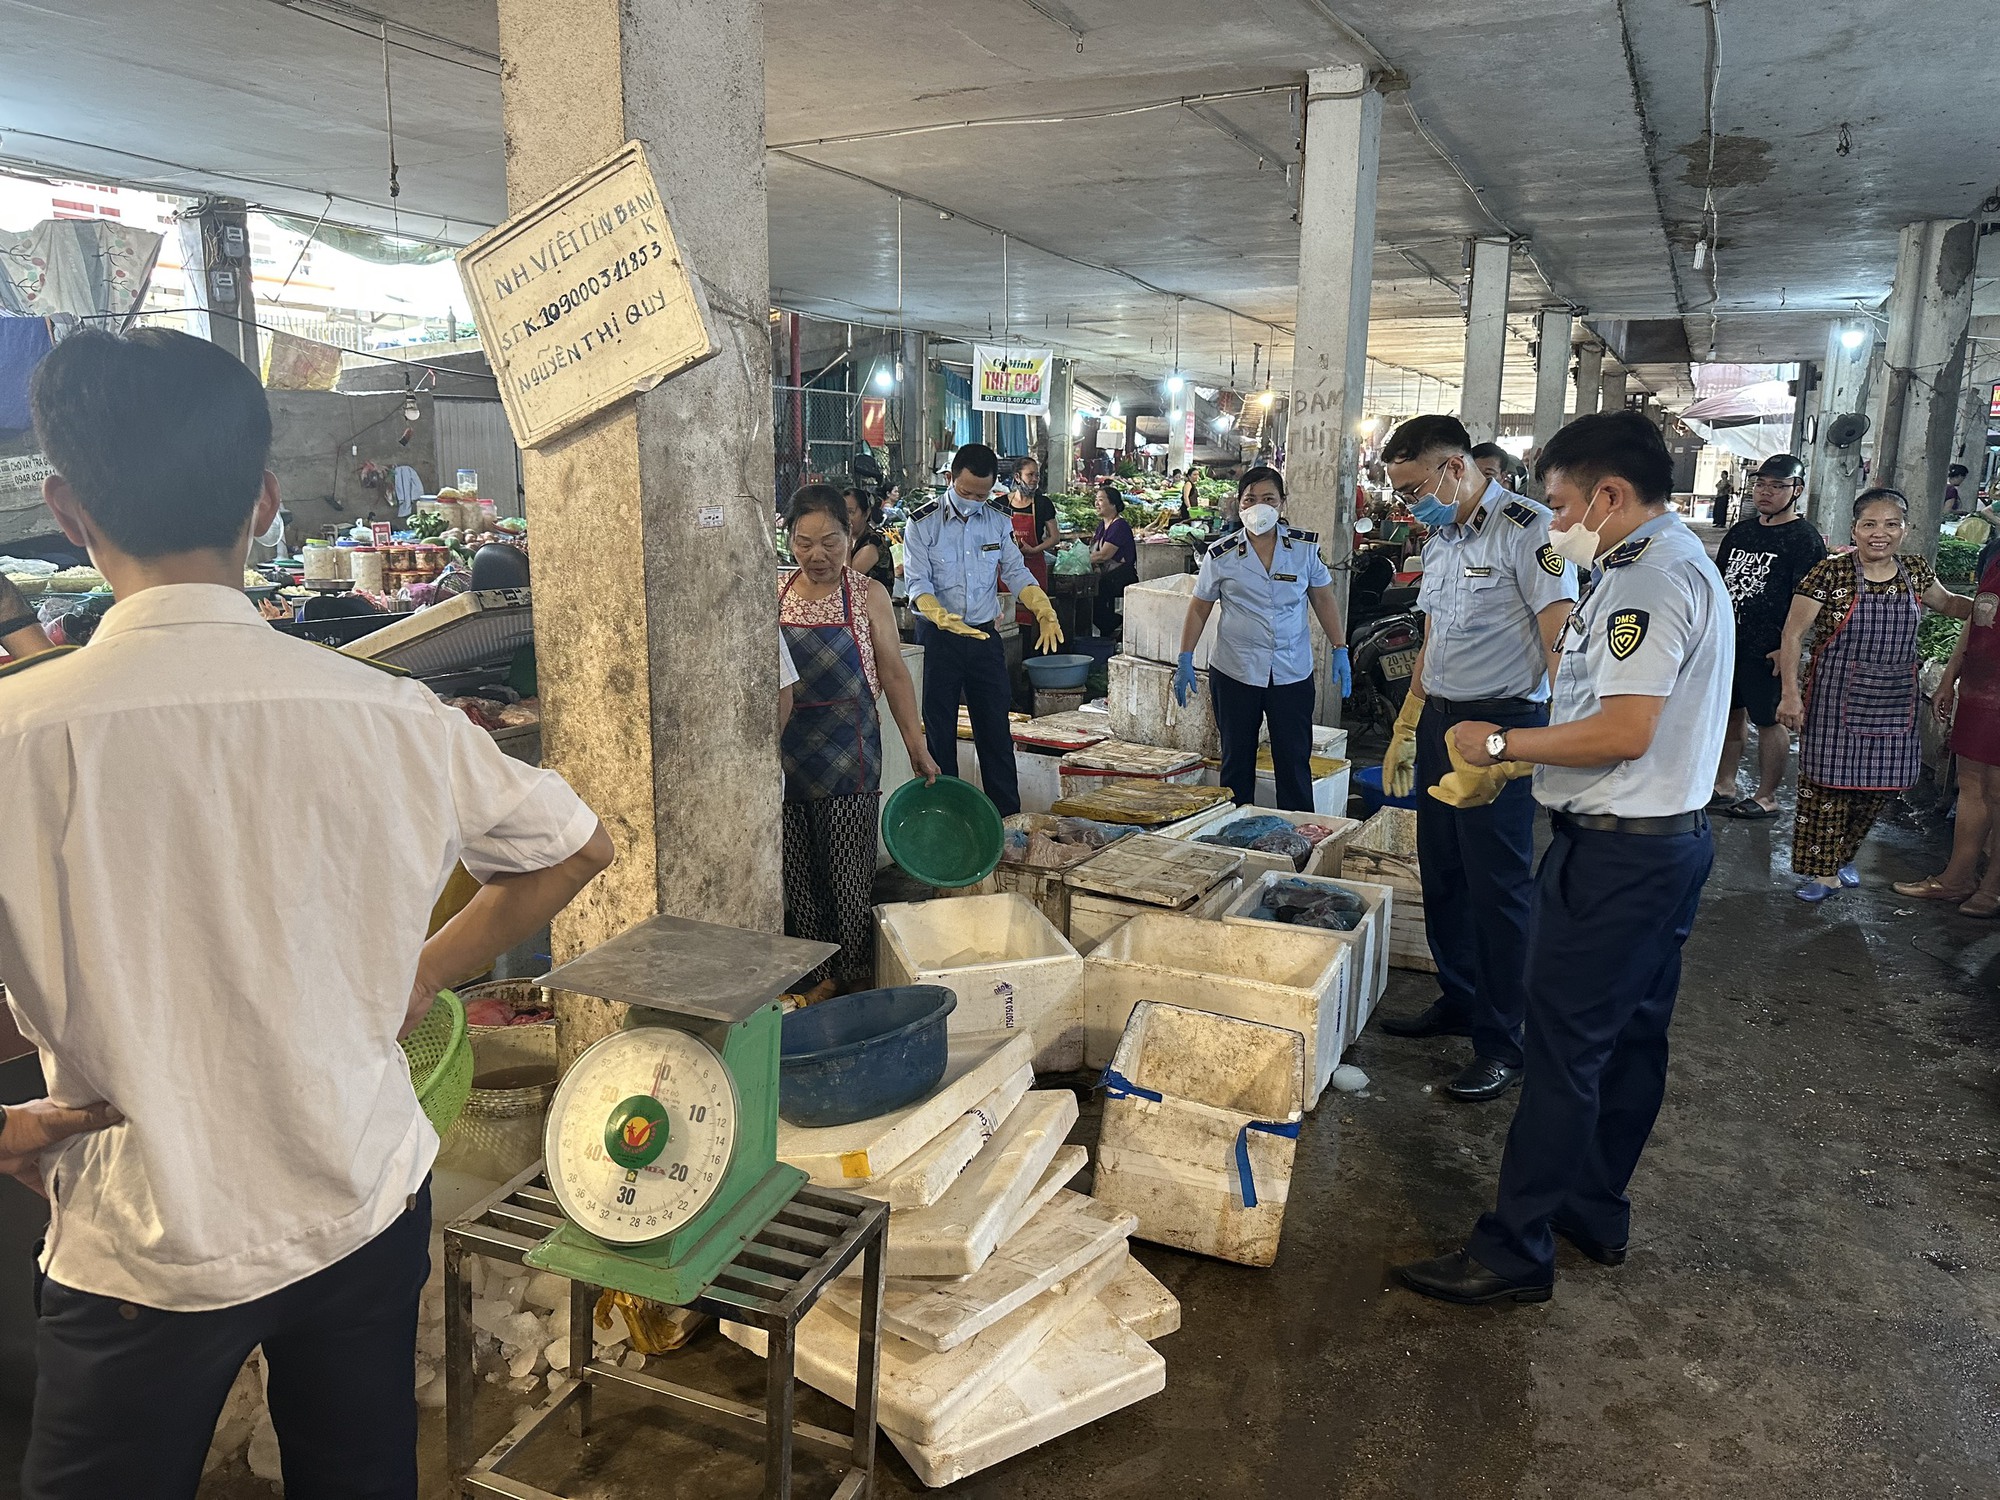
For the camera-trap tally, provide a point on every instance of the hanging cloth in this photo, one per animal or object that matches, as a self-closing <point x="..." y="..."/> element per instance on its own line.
<point x="1861" y="698"/>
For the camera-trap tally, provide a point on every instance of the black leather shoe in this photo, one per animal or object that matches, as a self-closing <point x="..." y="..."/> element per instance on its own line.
<point x="1483" y="1079"/>
<point x="1457" y="1277"/>
<point x="1590" y="1249"/>
<point x="1430" y="1021"/>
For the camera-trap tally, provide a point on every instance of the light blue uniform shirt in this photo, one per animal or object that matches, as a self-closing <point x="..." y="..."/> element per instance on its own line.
<point x="1657" y="623"/>
<point x="1486" y="580"/>
<point x="1264" y="637"/>
<point x="962" y="555"/>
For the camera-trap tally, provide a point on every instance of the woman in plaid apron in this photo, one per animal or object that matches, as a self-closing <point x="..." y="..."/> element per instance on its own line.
<point x="1857" y="713"/>
<point x="841" y="632"/>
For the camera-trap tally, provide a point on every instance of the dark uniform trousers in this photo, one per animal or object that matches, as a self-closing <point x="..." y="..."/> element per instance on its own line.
<point x="126" y="1397"/>
<point x="1611" y="911"/>
<point x="1477" y="865"/>
<point x="955" y="665"/>
<point x="1240" y="710"/>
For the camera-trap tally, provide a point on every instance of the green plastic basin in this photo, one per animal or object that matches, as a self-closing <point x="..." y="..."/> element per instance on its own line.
<point x="945" y="834"/>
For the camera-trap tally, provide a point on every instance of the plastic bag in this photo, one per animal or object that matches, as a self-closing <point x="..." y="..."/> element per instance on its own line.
<point x="1073" y="560"/>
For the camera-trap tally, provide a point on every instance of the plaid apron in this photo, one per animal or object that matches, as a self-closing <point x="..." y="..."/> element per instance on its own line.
<point x="1861" y="699"/>
<point x="833" y="742"/>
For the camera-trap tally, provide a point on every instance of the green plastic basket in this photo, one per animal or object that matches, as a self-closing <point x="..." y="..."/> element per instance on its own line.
<point x="440" y="1057"/>
<point x="946" y="834"/>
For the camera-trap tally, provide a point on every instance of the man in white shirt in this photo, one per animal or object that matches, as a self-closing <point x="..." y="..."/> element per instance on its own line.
<point x="221" y="850"/>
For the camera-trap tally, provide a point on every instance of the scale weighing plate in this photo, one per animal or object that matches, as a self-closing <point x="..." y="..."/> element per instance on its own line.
<point x="661" y="1141"/>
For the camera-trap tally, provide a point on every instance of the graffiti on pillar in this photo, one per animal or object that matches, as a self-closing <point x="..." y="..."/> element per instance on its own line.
<point x="582" y="299"/>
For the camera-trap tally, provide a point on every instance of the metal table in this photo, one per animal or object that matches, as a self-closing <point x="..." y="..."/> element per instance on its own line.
<point x="771" y="1284"/>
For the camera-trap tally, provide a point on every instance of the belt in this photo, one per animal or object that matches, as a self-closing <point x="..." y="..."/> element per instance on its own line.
<point x="1687" y="822"/>
<point x="1482" y="708"/>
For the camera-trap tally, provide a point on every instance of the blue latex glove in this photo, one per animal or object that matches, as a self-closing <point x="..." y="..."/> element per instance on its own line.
<point x="1184" y="683"/>
<point x="1343" y="672"/>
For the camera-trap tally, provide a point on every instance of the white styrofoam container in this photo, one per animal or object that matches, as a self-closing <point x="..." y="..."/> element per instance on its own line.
<point x="1036" y="775"/>
<point x="1371" y="938"/>
<point x="1155" y="611"/>
<point x="1140" y="695"/>
<point x="1277" y="976"/>
<point x="1142" y="1303"/>
<point x="1173" y="1161"/>
<point x="1128" y="760"/>
<point x="924" y="1178"/>
<point x="1324" y="860"/>
<point x="1093" y="916"/>
<point x="1330" y="742"/>
<point x="1009" y="967"/>
<point x="954" y="1235"/>
<point x="1329" y="792"/>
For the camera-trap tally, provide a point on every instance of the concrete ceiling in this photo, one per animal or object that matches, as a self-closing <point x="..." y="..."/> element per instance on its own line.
<point x="1580" y="123"/>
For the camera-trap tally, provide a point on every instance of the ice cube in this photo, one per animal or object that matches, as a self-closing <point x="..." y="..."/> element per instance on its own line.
<point x="635" y="1361"/>
<point x="524" y="1362"/>
<point x="557" y="1353"/>
<point x="546" y="1290"/>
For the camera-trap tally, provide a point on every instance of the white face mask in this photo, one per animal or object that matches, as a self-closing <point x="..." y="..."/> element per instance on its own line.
<point x="1258" y="519"/>
<point x="275" y="537"/>
<point x="1579" y="544"/>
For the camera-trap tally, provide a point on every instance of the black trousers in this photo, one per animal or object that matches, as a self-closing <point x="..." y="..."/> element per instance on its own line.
<point x="1611" y="912"/>
<point x="1478" y="867"/>
<point x="126" y="1397"/>
<point x="1111" y="588"/>
<point x="955" y="666"/>
<point x="1239" y="711"/>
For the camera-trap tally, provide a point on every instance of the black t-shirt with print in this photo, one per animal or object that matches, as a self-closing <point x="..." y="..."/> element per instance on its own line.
<point x="1761" y="567"/>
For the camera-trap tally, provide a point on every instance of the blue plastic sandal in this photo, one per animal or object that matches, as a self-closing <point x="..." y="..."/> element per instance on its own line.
<point x="1814" y="892"/>
<point x="1849" y="876"/>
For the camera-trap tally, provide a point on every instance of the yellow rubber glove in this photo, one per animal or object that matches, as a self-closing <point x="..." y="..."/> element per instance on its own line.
<point x="1467" y="785"/>
<point x="928" y="606"/>
<point x="1399" y="761"/>
<point x="1044" y="611"/>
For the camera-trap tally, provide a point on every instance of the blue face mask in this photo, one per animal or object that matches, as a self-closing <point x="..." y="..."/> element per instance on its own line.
<point x="1433" y="512"/>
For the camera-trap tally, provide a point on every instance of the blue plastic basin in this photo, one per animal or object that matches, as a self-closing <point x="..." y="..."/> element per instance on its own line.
<point x="862" y="1055"/>
<point x="1058" y="672"/>
<point x="1372" y="795"/>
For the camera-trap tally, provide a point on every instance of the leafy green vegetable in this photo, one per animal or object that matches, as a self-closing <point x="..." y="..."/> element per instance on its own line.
<point x="1937" y="637"/>
<point x="1956" y="560"/>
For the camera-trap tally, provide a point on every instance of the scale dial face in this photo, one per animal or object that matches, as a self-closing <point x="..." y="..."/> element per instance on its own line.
<point x="640" y="1134"/>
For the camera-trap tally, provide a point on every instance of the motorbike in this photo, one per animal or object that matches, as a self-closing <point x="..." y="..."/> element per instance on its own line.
<point x="1384" y="634"/>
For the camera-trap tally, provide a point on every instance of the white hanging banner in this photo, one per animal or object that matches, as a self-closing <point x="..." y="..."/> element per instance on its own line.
<point x="1012" y="379"/>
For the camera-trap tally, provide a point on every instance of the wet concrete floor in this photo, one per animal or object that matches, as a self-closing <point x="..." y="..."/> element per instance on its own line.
<point x="1811" y="1308"/>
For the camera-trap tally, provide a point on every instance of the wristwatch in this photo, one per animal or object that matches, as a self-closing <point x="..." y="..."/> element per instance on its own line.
<point x="1496" y="744"/>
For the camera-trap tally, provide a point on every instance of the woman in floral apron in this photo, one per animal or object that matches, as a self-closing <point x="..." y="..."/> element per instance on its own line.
<point x="1857" y="712"/>
<point x="1968" y="699"/>
<point x="841" y="633"/>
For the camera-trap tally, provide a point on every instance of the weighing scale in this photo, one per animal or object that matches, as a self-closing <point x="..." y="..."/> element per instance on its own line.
<point x="662" y="1139"/>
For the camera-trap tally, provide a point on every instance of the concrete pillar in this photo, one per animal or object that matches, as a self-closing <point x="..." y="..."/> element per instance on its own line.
<point x="1611" y="390"/>
<point x="912" y="417"/>
<point x="215" y="250"/>
<point x="1320" y="427"/>
<point x="1833" y="475"/>
<point x="1486" y="339"/>
<point x="656" y="627"/>
<point x="1062" y="429"/>
<point x="1930" y="313"/>
<point x="1551" y="371"/>
<point x="1589" y="378"/>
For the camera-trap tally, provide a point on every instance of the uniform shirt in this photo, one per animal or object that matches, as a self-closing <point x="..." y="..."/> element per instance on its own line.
<point x="1486" y="580"/>
<point x="1265" y="635"/>
<point x="963" y="557"/>
<point x="1657" y="623"/>
<point x="220" y="854"/>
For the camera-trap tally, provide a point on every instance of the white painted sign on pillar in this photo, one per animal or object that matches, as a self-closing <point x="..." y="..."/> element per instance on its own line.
<point x="582" y="298"/>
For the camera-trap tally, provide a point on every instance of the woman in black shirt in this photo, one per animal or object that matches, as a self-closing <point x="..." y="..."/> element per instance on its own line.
<point x="872" y="553"/>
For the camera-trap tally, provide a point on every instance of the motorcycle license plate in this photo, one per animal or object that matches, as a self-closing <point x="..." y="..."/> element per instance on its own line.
<point x="1398" y="664"/>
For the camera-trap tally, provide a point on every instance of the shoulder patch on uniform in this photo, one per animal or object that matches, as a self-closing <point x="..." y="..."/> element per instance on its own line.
<point x="1519" y="514"/>
<point x="1003" y="505"/>
<point x="1625" y="553"/>
<point x="1551" y="560"/>
<point x="23" y="663"/>
<point x="1301" y="536"/>
<point x="1230" y="541"/>
<point x="1625" y="630"/>
<point x="925" y="509"/>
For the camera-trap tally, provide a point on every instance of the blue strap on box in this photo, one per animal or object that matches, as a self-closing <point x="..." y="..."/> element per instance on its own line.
<point x="1117" y="1086"/>
<point x="1269" y="1127"/>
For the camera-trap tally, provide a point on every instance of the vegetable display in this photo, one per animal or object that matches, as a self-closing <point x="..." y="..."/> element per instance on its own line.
<point x="1937" y="637"/>
<point x="1956" y="560"/>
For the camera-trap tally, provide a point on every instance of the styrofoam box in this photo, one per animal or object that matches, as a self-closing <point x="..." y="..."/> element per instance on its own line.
<point x="1258" y="971"/>
<point x="1093" y="917"/>
<point x="1011" y="970"/>
<point x="1330" y="742"/>
<point x="1035" y="774"/>
<point x="1324" y="860"/>
<point x="1172" y="1161"/>
<point x="1329" y="792"/>
<point x="1155" y="611"/>
<point x="1140" y="695"/>
<point x="1370" y="940"/>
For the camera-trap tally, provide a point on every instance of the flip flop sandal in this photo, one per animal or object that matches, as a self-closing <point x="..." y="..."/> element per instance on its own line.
<point x="1720" y="802"/>
<point x="1930" y="890"/>
<point x="1981" y="905"/>
<point x="1750" y="810"/>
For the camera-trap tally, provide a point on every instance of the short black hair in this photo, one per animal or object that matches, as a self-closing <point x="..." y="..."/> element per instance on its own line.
<point x="1261" y="472"/>
<point x="1612" y="445"/>
<point x="821" y="498"/>
<point x="1423" y="435"/>
<point x="871" y="508"/>
<point x="162" y="437"/>
<point x="977" y="459"/>
<point x="1880" y="493"/>
<point x="1494" y="450"/>
<point x="1957" y="471"/>
<point x="1112" y="493"/>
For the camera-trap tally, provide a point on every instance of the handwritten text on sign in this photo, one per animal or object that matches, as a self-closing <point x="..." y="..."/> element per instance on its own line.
<point x="1015" y="380"/>
<point x="582" y="298"/>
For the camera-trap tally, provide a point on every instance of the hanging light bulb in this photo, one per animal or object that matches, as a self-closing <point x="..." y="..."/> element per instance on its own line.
<point x="1174" y="384"/>
<point x="885" y="380"/>
<point x="1115" y="409"/>
<point x="1851" y="338"/>
<point x="1221" y="423"/>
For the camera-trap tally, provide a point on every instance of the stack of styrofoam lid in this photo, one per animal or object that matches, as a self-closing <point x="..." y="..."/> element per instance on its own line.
<point x="1001" y="1313"/>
